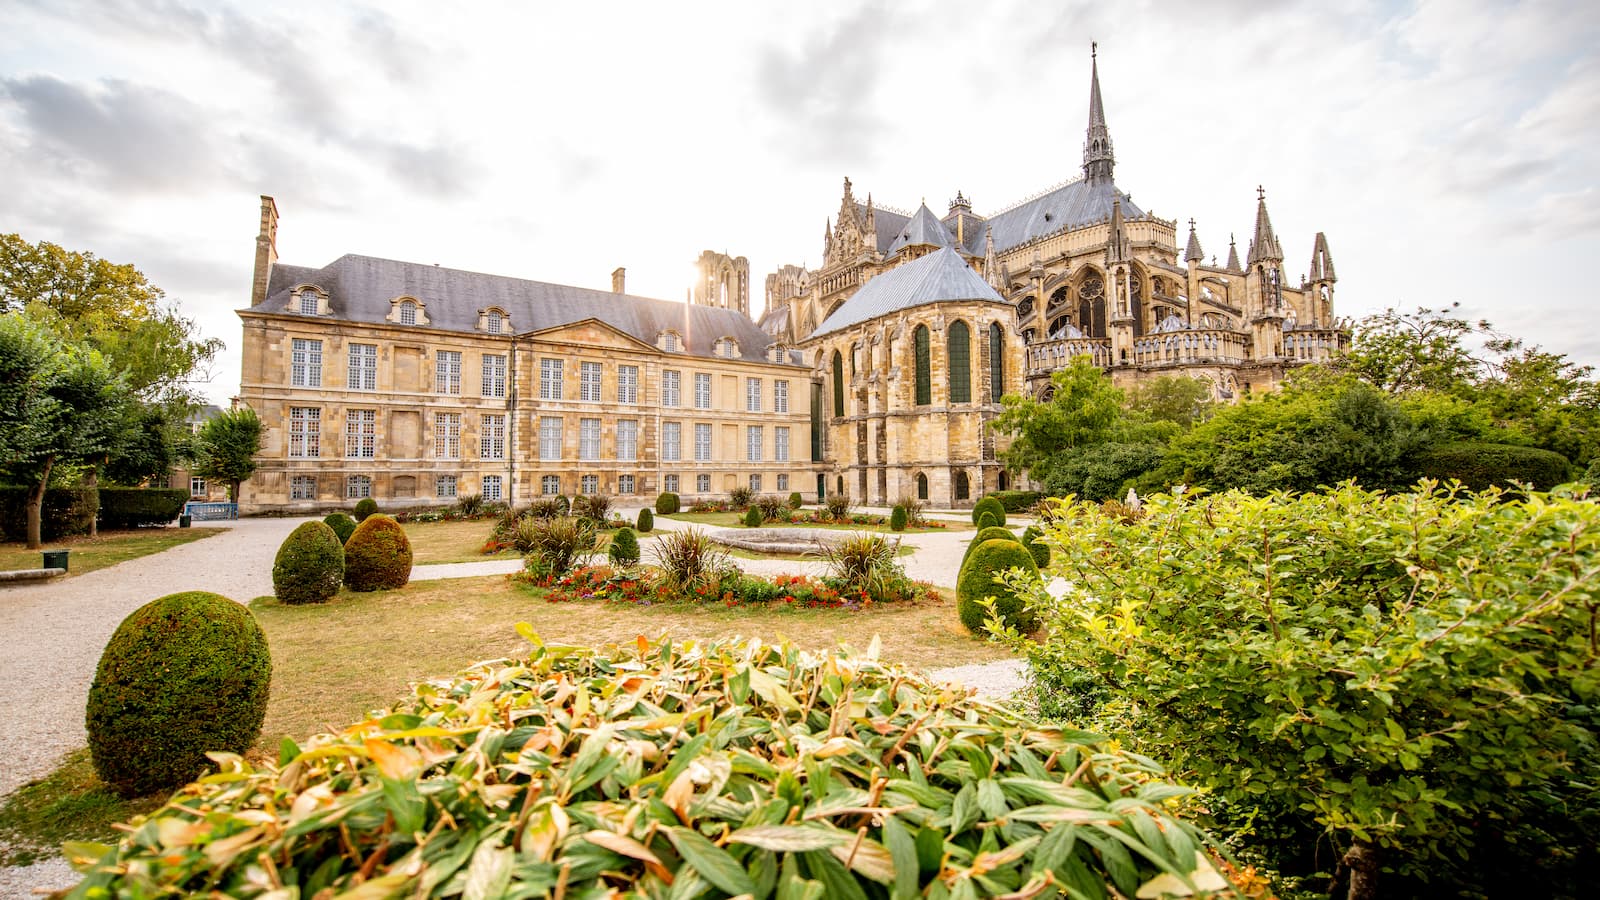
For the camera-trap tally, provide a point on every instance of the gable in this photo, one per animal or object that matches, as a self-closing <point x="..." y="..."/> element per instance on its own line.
<point x="594" y="333"/>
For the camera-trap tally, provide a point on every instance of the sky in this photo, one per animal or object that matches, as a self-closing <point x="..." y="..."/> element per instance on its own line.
<point x="1449" y="150"/>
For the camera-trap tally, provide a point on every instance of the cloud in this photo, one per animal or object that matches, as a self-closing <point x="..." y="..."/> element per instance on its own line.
<point x="822" y="91"/>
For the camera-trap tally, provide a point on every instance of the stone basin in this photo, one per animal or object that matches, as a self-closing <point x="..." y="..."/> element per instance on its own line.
<point x="779" y="540"/>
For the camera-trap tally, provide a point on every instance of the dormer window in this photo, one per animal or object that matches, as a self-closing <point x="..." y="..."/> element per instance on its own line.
<point x="779" y="355"/>
<point x="495" y="322"/>
<point x="308" y="303"/>
<point x="727" y="348"/>
<point x="405" y="310"/>
<point x="669" y="342"/>
<point x="308" y="300"/>
<point x="408" y="313"/>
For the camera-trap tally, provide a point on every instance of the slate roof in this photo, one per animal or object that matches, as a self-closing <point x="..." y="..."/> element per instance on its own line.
<point x="889" y="224"/>
<point x="941" y="275"/>
<point x="360" y="289"/>
<point x="924" y="228"/>
<point x="1074" y="204"/>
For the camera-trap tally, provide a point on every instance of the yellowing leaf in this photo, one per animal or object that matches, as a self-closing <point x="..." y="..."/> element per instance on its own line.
<point x="768" y="689"/>
<point x="394" y="761"/>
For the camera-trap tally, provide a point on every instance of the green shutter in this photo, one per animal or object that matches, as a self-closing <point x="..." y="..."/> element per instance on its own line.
<point x="997" y="365"/>
<point x="960" y="361"/>
<point x="924" y="368"/>
<point x="838" y="384"/>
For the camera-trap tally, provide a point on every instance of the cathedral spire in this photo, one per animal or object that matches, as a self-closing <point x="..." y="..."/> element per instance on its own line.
<point x="1264" y="246"/>
<point x="1322" y="260"/>
<point x="991" y="269"/>
<point x="1193" y="254"/>
<point x="1233" y="255"/>
<point x="1097" y="158"/>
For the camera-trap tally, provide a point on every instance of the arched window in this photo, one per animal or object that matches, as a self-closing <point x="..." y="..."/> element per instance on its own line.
<point x="839" y="487"/>
<point x="309" y="305"/>
<point x="838" y="384"/>
<point x="1092" y="306"/>
<point x="959" y="358"/>
<point x="1003" y="481"/>
<point x="997" y="363"/>
<point x="922" y="486"/>
<point x="962" y="488"/>
<point x="494" y="322"/>
<point x="924" y="386"/>
<point x="408" y="313"/>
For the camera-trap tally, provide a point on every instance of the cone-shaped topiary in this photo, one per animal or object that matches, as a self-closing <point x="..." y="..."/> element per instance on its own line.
<point x="987" y="520"/>
<point x="182" y="675"/>
<point x="378" y="556"/>
<point x="1041" y="552"/>
<point x="310" y="565"/>
<point x="365" y="507"/>
<point x="794" y="500"/>
<point x="647" y="521"/>
<point x="993" y="532"/>
<point x="993" y="507"/>
<point x="752" y="517"/>
<point x="897" y="519"/>
<point x="977" y="582"/>
<point x="667" y="503"/>
<point x="342" y="525"/>
<point x="624" y="549"/>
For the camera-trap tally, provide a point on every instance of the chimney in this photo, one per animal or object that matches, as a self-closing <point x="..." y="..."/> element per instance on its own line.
<point x="266" y="250"/>
<point x="618" y="277"/>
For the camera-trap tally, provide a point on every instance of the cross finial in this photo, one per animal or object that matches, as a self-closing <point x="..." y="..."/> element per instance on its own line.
<point x="1191" y="224"/>
<point x="1261" y="192"/>
<point x="1094" y="49"/>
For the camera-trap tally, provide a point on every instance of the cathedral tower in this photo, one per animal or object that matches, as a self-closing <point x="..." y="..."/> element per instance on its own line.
<point x="1097" y="158"/>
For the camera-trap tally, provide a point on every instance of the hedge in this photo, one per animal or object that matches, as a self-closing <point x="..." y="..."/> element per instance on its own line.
<point x="377" y="557"/>
<point x="130" y="507"/>
<point x="1481" y="465"/>
<point x="667" y="503"/>
<point x="1017" y="501"/>
<point x="977" y="582"/>
<point x="66" y="512"/>
<point x="990" y="506"/>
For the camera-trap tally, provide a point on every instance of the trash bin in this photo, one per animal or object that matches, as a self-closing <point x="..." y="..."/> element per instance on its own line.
<point x="56" y="559"/>
<point x="184" y="520"/>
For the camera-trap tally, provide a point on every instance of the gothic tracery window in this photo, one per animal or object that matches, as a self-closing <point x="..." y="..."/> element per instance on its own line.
<point x="959" y="359"/>
<point x="924" y="366"/>
<point x="1092" y="306"/>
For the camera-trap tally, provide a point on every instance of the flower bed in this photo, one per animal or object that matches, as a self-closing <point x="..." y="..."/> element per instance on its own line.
<point x="807" y="516"/>
<point x="612" y="585"/>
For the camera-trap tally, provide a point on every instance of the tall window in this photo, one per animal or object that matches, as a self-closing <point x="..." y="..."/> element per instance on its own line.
<point x="669" y="483"/>
<point x="549" y="379"/>
<point x="357" y="487"/>
<point x="997" y="363"/>
<point x="671" y="387"/>
<point x="197" y="487"/>
<point x="627" y="384"/>
<point x="305" y="431"/>
<point x="447" y="371"/>
<point x="624" y="484"/>
<point x="492" y="487"/>
<point x="671" y="441"/>
<point x="780" y="443"/>
<point x="360" y="433"/>
<point x="924" y="366"/>
<point x="780" y="396"/>
<point x="495" y="321"/>
<point x="702" y="483"/>
<point x="752" y="395"/>
<point x="702" y="391"/>
<point x="753" y="440"/>
<point x="492" y="443"/>
<point x="962" y="486"/>
<point x="305" y="363"/>
<point x="408" y="316"/>
<point x="628" y="439"/>
<point x="783" y="482"/>
<point x="363" y="367"/>
<point x="838" y="384"/>
<point x="702" y="443"/>
<point x="444" y="487"/>
<point x="308" y="303"/>
<point x="589" y="484"/>
<point x="960" y="362"/>
<point x="588" y="438"/>
<point x="922" y="486"/>
<point x="589" y="382"/>
<point x="447" y="435"/>
<point x="550" y="485"/>
<point x="494" y="375"/>
<point x="755" y="484"/>
<point x="550" y="437"/>
<point x="303" y="487"/>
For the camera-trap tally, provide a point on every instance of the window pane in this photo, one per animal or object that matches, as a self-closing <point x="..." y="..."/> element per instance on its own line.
<point x="671" y="385"/>
<point x="589" y="382"/>
<point x="447" y="371"/>
<point x="960" y="362"/>
<point x="494" y="375"/>
<point x="305" y="363"/>
<point x="627" y="439"/>
<point x="363" y="374"/>
<point x="550" y="437"/>
<point x="627" y="384"/>
<point x="924" y="367"/>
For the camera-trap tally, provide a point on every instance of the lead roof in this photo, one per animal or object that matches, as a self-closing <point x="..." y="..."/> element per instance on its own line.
<point x="940" y="276"/>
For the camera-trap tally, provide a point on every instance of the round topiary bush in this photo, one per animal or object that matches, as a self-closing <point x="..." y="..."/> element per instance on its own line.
<point x="666" y="503"/>
<point x="794" y="500"/>
<point x="1479" y="465"/>
<point x="365" y="507"/>
<point x="897" y="519"/>
<point x="1031" y="539"/>
<point x="991" y="533"/>
<point x="977" y="582"/>
<point x="309" y="566"/>
<point x="647" y="521"/>
<point x="993" y="507"/>
<point x="181" y="676"/>
<point x="752" y="517"/>
<point x="987" y="520"/>
<point x="624" y="550"/>
<point x="378" y="556"/>
<point x="342" y="525"/>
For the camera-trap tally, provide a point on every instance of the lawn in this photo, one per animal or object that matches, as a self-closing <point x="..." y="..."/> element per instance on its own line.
<point x="107" y="549"/>
<point x="450" y="542"/>
<point x="731" y="519"/>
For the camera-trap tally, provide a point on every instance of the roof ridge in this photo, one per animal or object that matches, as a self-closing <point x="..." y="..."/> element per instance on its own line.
<point x="884" y="208"/>
<point x="1034" y="196"/>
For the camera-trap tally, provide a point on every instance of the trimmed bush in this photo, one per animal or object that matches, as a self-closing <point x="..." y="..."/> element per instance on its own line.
<point x="991" y="506"/>
<point x="647" y="522"/>
<point x="667" y="503"/>
<point x="897" y="519"/>
<point x="377" y="556"/>
<point x="365" y="508"/>
<point x="596" y="814"/>
<point x="1040" y="550"/>
<point x="987" y="520"/>
<point x="991" y="533"/>
<point x="752" y="517"/>
<point x="624" y="550"/>
<point x="181" y="676"/>
<point x="1481" y="465"/>
<point x="65" y="512"/>
<point x="125" y="507"/>
<point x="310" y="565"/>
<point x="1017" y="501"/>
<point x="977" y="582"/>
<point x="342" y="525"/>
<point x="794" y="500"/>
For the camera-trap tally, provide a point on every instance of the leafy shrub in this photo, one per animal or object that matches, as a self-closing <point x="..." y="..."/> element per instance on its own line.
<point x="592" y="507"/>
<point x="1429" y="653"/>
<point x="987" y="520"/>
<point x="646" y="522"/>
<point x="1036" y="546"/>
<point x="897" y="519"/>
<point x="838" y="506"/>
<point x="667" y="503"/>
<point x="624" y="549"/>
<point x="1017" y="501"/>
<point x="181" y="676"/>
<point x="740" y="497"/>
<point x="128" y="507"/>
<point x="688" y="560"/>
<point x="989" y="533"/>
<point x="309" y="566"/>
<point x="65" y="512"/>
<point x="547" y="507"/>
<point x="752" y="517"/>
<point x="365" y="507"/>
<point x="556" y="545"/>
<point x="505" y="528"/>
<point x="342" y="525"/>
<point x="469" y="505"/>
<point x="977" y="584"/>
<point x="1118" y="510"/>
<point x="772" y="508"/>
<point x="377" y="556"/>
<point x="865" y="563"/>
<point x="991" y="506"/>
<point x="526" y="535"/>
<point x="794" y="500"/>
<point x="1482" y="465"/>
<point x="1591" y="475"/>
<point x="602" y="812"/>
<point x="915" y="510"/>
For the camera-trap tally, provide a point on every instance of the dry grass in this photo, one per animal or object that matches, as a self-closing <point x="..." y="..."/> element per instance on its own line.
<point x="108" y="549"/>
<point x="450" y="542"/>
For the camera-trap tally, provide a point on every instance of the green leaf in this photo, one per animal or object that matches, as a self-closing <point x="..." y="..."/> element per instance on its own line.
<point x="713" y="863"/>
<point x="790" y="838"/>
<point x="489" y="873"/>
<point x="903" y="850"/>
<point x="965" y="811"/>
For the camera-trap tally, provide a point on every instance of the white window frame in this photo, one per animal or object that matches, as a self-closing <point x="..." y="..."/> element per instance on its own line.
<point x="302" y="487"/>
<point x="445" y="487"/>
<point x="627" y="439"/>
<point x="627" y="384"/>
<point x="780" y="396"/>
<point x="305" y="432"/>
<point x="447" y="372"/>
<point x="589" y="431"/>
<point x="550" y="378"/>
<point x="702" y="390"/>
<point x="363" y="366"/>
<point x="357" y="487"/>
<point x="494" y="375"/>
<point x="780" y="443"/>
<point x="589" y="381"/>
<point x="360" y="433"/>
<point x="494" y="321"/>
<point x="783" y="482"/>
<point x="755" y="484"/>
<point x="197" y="487"/>
<point x="625" y="484"/>
<point x="310" y="303"/>
<point x="702" y="484"/>
<point x="669" y="483"/>
<point x="550" y="485"/>
<point x="671" y="387"/>
<point x="447" y="435"/>
<point x="408" y="315"/>
<point x="549" y="437"/>
<point x="492" y="487"/>
<point x="305" y="362"/>
<point x="492" y="437"/>
<point x="754" y="441"/>
<point x="752" y="395"/>
<point x="671" y="441"/>
<point x="702" y="443"/>
<point x="589" y="485"/>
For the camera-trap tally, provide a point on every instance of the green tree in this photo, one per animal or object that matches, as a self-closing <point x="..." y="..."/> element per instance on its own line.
<point x="1177" y="399"/>
<point x="60" y="403"/>
<point x="226" y="447"/>
<point x="1398" y="352"/>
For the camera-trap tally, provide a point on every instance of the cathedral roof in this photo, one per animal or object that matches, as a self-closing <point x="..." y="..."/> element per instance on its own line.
<point x="1072" y="205"/>
<point x="940" y="276"/>
<point x="924" y="228"/>
<point x="360" y="289"/>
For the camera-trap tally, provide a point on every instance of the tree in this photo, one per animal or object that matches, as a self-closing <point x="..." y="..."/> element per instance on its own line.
<point x="1177" y="399"/>
<point x="1398" y="352"/>
<point x="60" y="402"/>
<point x="226" y="447"/>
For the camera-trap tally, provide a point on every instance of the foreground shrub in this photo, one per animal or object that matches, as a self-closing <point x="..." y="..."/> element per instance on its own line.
<point x="556" y="545"/>
<point x="794" y="500"/>
<point x="667" y="503"/>
<point x="752" y="517"/>
<point x="126" y="507"/>
<point x="646" y="522"/>
<point x="1483" y="465"/>
<point x="838" y="506"/>
<point x="309" y="566"/>
<point x="980" y="584"/>
<point x="990" y="506"/>
<point x="489" y="786"/>
<point x="624" y="549"/>
<point x="342" y="525"/>
<point x="548" y="507"/>
<point x="365" y="508"/>
<point x="1017" y="501"/>
<point x="898" y="519"/>
<point x="772" y="508"/>
<point x="469" y="505"/>
<point x="739" y="497"/>
<point x="915" y="510"/>
<point x="987" y="533"/>
<point x="865" y="563"/>
<point x="378" y="556"/>
<point x="1407" y="680"/>
<point x="182" y="676"/>
<point x="595" y="508"/>
<point x="688" y="560"/>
